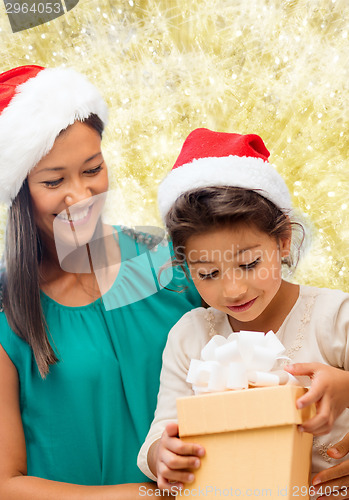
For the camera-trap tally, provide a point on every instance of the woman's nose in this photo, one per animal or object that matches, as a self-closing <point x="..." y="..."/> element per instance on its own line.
<point x="77" y="193"/>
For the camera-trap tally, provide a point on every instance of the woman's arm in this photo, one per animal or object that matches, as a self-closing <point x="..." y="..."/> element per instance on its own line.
<point x="14" y="482"/>
<point x="335" y="478"/>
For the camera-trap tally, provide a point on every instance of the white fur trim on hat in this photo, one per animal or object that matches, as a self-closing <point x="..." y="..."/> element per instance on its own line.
<point x="42" y="107"/>
<point x="245" y="172"/>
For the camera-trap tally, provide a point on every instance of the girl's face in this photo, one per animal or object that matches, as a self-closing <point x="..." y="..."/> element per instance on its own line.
<point x="237" y="269"/>
<point x="67" y="178"/>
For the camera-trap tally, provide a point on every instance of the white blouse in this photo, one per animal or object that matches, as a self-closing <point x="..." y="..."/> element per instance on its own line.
<point x="315" y="330"/>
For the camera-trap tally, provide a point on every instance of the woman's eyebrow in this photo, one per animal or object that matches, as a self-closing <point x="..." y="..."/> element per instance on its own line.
<point x="49" y="169"/>
<point x="56" y="169"/>
<point x="93" y="156"/>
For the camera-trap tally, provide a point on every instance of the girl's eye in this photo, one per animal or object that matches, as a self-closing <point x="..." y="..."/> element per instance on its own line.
<point x="251" y="265"/>
<point x="94" y="170"/>
<point x="52" y="184"/>
<point x="208" y="276"/>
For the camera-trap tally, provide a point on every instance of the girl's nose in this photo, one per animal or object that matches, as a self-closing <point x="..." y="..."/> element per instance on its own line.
<point x="234" y="285"/>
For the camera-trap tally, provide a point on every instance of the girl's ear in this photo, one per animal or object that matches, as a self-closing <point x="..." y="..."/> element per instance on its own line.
<point x="285" y="242"/>
<point x="285" y="246"/>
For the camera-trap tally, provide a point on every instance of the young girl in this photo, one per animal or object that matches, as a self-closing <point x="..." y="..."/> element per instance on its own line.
<point x="79" y="367"/>
<point x="230" y="218"/>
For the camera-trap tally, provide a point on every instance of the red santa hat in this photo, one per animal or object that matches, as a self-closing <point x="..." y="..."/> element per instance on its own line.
<point x="210" y="159"/>
<point x="36" y="104"/>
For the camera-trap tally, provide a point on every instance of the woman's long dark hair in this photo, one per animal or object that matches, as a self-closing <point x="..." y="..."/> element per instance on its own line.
<point x="21" y="277"/>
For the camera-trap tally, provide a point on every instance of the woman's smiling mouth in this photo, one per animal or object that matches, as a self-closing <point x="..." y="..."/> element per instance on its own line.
<point x="75" y="216"/>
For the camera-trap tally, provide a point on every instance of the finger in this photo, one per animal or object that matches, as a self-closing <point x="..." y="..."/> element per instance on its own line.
<point x="176" y="462"/>
<point x="179" y="447"/>
<point x="299" y="369"/>
<point x="337" y="493"/>
<point x="314" y="395"/>
<point x="320" y="424"/>
<point x="172" y="442"/>
<point x="339" y="449"/>
<point x="171" y="475"/>
<point x="318" y="427"/>
<point x="172" y="487"/>
<point x="321" y="431"/>
<point x="338" y="488"/>
<point x="333" y="473"/>
<point x="171" y="429"/>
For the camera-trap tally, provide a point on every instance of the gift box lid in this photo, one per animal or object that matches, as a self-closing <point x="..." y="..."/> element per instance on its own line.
<point x="240" y="410"/>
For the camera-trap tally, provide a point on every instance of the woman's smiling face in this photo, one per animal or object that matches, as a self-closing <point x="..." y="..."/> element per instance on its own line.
<point x="237" y="269"/>
<point x="68" y="177"/>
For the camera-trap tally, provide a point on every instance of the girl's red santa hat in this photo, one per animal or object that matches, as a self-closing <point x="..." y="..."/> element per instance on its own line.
<point x="209" y="159"/>
<point x="36" y="104"/>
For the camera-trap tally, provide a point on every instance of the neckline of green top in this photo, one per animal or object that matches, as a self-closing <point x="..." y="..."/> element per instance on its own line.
<point x="99" y="301"/>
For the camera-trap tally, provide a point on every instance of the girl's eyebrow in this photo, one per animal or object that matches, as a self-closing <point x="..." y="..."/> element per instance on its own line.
<point x="212" y="262"/>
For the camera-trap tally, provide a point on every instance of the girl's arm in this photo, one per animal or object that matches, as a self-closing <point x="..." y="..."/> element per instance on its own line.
<point x="169" y="459"/>
<point x="14" y="483"/>
<point x="329" y="390"/>
<point x="163" y="455"/>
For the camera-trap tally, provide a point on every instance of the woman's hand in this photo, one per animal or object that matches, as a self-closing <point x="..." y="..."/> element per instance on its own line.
<point x="329" y="391"/>
<point x="173" y="457"/>
<point x="335" y="479"/>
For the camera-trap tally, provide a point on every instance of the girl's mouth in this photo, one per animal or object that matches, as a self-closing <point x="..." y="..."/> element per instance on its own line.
<point x="242" y="307"/>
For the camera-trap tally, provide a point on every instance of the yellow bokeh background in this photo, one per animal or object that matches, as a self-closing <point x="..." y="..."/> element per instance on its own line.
<point x="278" y="68"/>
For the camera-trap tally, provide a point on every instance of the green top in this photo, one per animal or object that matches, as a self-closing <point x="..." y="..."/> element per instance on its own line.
<point x="85" y="423"/>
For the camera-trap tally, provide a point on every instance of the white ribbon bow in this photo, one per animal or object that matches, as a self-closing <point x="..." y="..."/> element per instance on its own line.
<point x="243" y="359"/>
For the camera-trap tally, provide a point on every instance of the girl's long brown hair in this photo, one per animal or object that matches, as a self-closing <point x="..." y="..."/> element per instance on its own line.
<point x="21" y="278"/>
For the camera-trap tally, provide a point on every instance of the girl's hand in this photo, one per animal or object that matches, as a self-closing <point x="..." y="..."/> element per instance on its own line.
<point x="335" y="479"/>
<point x="173" y="459"/>
<point x="329" y="391"/>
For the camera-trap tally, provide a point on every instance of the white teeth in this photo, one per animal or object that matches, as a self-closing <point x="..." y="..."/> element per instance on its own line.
<point x="74" y="217"/>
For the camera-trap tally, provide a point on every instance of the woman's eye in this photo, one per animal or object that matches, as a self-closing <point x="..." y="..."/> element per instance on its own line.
<point x="208" y="276"/>
<point x="52" y="183"/>
<point x="251" y="265"/>
<point x="94" y="170"/>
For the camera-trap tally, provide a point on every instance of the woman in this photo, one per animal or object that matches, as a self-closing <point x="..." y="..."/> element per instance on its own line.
<point x="84" y="319"/>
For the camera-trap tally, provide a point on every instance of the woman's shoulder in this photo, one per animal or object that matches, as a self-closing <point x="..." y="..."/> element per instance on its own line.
<point x="159" y="249"/>
<point x="9" y="340"/>
<point x="150" y="240"/>
<point x="15" y="347"/>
